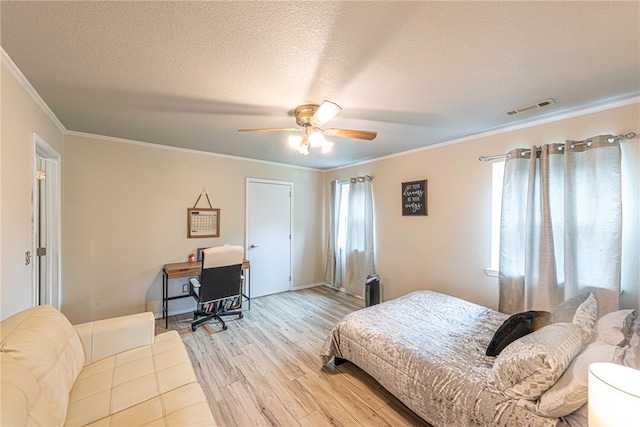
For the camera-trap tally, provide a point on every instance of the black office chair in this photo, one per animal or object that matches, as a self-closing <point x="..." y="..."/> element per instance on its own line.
<point x="218" y="291"/>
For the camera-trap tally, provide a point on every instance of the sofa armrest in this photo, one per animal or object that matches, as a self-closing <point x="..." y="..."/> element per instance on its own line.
<point x="104" y="338"/>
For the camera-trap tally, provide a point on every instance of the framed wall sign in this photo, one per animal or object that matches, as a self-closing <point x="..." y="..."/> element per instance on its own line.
<point x="414" y="198"/>
<point x="203" y="222"/>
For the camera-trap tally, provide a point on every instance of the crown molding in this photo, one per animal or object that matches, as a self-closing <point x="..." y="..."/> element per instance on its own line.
<point x="548" y="119"/>
<point x="184" y="150"/>
<point x="22" y="80"/>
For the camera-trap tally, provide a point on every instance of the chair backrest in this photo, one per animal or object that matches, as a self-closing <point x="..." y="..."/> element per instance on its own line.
<point x="220" y="256"/>
<point x="221" y="272"/>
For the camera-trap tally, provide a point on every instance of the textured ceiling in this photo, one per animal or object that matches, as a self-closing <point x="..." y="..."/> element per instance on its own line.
<point x="189" y="74"/>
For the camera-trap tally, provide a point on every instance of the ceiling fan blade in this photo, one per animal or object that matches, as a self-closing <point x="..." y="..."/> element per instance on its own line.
<point x="350" y="133"/>
<point x="325" y="112"/>
<point x="270" y="130"/>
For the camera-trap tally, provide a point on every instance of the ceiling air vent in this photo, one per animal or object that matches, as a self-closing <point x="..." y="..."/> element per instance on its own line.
<point x="539" y="104"/>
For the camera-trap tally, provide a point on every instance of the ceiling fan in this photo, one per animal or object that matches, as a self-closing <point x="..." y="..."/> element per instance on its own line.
<point x="311" y="118"/>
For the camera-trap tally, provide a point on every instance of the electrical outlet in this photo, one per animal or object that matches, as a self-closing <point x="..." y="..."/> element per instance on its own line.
<point x="185" y="288"/>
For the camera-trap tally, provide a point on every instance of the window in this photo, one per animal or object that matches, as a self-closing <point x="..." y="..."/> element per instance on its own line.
<point x="497" y="174"/>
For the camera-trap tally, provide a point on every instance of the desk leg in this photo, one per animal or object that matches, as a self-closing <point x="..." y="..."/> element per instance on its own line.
<point x="246" y="284"/>
<point x="165" y="301"/>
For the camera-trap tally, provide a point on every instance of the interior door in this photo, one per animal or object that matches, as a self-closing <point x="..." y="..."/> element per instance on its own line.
<point x="40" y="227"/>
<point x="47" y="202"/>
<point x="269" y="228"/>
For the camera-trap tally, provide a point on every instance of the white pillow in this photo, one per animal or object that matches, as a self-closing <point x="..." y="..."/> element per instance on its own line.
<point x="613" y="327"/>
<point x="632" y="352"/>
<point x="570" y="392"/>
<point x="578" y="418"/>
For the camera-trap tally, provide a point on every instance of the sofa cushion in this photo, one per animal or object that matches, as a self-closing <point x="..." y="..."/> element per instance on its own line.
<point x="106" y="337"/>
<point x="117" y="383"/>
<point x="43" y="341"/>
<point x="183" y="406"/>
<point x="23" y="403"/>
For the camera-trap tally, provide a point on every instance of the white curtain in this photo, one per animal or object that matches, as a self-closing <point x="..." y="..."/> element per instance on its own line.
<point x="359" y="235"/>
<point x="630" y="280"/>
<point x="334" y="256"/>
<point x="350" y="252"/>
<point x="561" y="225"/>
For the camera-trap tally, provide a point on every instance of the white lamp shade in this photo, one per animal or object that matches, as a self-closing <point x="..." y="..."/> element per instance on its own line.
<point x="614" y="395"/>
<point x="327" y="111"/>
<point x="294" y="141"/>
<point x="316" y="139"/>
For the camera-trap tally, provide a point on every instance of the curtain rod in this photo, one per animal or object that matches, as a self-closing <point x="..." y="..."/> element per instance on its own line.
<point x="359" y="178"/>
<point x="629" y="135"/>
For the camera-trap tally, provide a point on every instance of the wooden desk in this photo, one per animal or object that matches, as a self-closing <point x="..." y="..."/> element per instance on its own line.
<point x="186" y="269"/>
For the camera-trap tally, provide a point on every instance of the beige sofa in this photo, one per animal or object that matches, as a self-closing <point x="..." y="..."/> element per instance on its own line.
<point x="114" y="372"/>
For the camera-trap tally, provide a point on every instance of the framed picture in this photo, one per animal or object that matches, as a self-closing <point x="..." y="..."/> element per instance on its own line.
<point x="414" y="198"/>
<point x="203" y="222"/>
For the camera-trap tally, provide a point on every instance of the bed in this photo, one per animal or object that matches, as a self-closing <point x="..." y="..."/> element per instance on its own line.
<point x="428" y="349"/>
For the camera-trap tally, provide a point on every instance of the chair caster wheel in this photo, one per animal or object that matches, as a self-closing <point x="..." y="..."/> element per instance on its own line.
<point x="193" y="328"/>
<point x="240" y="316"/>
<point x="224" y="328"/>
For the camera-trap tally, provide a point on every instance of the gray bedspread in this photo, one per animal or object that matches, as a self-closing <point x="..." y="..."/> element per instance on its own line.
<point x="428" y="349"/>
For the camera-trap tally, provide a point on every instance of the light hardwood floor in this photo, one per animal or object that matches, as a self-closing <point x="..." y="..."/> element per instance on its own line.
<point x="265" y="369"/>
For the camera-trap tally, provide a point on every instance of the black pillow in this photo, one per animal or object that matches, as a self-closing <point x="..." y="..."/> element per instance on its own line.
<point x="516" y="326"/>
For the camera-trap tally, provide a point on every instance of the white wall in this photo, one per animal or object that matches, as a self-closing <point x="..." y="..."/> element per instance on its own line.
<point x="448" y="250"/>
<point x="125" y="213"/>
<point x="20" y="118"/>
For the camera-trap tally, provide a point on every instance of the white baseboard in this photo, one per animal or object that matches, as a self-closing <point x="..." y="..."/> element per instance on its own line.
<point x="311" y="285"/>
<point x="343" y="290"/>
<point x="173" y="312"/>
<point x="182" y="307"/>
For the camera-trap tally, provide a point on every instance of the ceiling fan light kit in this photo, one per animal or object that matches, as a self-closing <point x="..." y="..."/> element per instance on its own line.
<point x="311" y="118"/>
<point x="310" y="140"/>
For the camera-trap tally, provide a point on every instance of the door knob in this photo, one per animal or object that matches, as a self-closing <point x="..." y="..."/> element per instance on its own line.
<point x="253" y="246"/>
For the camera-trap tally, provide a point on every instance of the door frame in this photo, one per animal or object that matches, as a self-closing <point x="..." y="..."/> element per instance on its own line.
<point x="53" y="294"/>
<point x="289" y="184"/>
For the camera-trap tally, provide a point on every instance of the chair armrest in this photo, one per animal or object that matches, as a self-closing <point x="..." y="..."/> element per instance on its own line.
<point x="104" y="338"/>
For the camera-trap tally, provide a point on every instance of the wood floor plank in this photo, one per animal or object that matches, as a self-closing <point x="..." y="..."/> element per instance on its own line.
<point x="279" y="385"/>
<point x="222" y="414"/>
<point x="315" y="419"/>
<point x="349" y="397"/>
<point x="329" y="404"/>
<point x="265" y="369"/>
<point x="244" y="408"/>
<point x="399" y="415"/>
<point x="269" y="402"/>
<point x="373" y="396"/>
